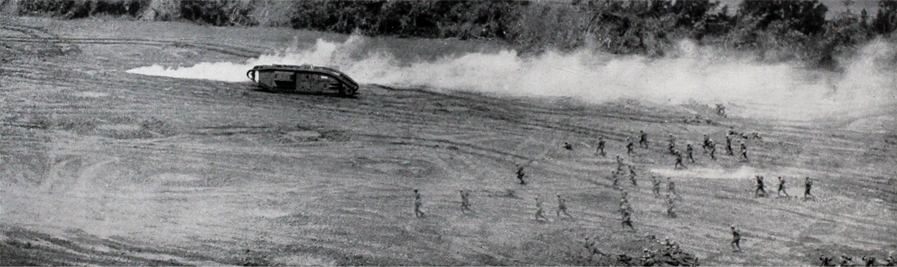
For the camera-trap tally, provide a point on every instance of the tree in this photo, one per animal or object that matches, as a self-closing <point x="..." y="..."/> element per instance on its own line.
<point x="886" y="20"/>
<point x="807" y="17"/>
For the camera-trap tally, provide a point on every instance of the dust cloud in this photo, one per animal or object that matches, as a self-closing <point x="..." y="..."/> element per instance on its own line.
<point x="691" y="73"/>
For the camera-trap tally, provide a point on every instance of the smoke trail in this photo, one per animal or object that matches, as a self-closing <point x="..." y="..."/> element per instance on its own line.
<point x="692" y="73"/>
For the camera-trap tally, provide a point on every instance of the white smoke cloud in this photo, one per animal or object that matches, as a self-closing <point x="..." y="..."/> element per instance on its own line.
<point x="693" y="73"/>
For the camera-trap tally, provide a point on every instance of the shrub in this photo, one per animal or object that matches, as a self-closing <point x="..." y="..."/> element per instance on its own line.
<point x="218" y="13"/>
<point x="163" y="10"/>
<point x="272" y="12"/>
<point x="81" y="8"/>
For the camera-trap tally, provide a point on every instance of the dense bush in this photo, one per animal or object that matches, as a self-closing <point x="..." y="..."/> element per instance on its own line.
<point x="80" y="8"/>
<point x="219" y="13"/>
<point x="776" y="30"/>
<point x="459" y="19"/>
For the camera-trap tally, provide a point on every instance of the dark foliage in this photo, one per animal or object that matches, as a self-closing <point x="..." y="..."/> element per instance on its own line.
<point x="777" y="30"/>
<point x="807" y="17"/>
<point x="885" y="21"/>
<point x="81" y="8"/>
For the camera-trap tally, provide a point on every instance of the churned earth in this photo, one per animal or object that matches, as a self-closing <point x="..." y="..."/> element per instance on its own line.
<point x="99" y="166"/>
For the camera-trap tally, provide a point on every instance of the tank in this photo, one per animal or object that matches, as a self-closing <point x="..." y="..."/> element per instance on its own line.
<point x="302" y="78"/>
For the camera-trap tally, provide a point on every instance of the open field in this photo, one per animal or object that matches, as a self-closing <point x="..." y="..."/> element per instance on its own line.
<point x="99" y="166"/>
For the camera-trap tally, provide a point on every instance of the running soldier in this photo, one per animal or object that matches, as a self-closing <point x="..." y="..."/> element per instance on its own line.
<point x="760" y="187"/>
<point x="539" y="216"/>
<point x="826" y="260"/>
<point x="562" y="207"/>
<point x="600" y="150"/>
<point x="671" y="204"/>
<point x="782" y="187"/>
<point x="615" y="179"/>
<point x="736" y="239"/>
<point x="671" y="187"/>
<point x="465" y="201"/>
<point x="627" y="220"/>
<point x="744" y="156"/>
<point x="520" y="175"/>
<point x="845" y="261"/>
<point x="632" y="175"/>
<point x="712" y="147"/>
<point x="656" y="187"/>
<point x="689" y="150"/>
<point x="418" y="202"/>
<point x="721" y="110"/>
<point x="678" y="160"/>
<point x="621" y="167"/>
<point x="706" y="143"/>
<point x="729" y="145"/>
<point x="626" y="212"/>
<point x="808" y="184"/>
<point x="672" y="145"/>
<point x="588" y="244"/>
<point x="643" y="139"/>
<point x="868" y="260"/>
<point x="590" y="247"/>
<point x="620" y="164"/>
<point x="624" y="203"/>
<point x="629" y="146"/>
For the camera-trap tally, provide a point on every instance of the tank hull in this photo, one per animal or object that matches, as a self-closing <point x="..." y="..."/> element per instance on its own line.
<point x="302" y="78"/>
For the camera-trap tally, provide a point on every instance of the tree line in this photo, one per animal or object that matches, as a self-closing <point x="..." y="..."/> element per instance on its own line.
<point x="777" y="30"/>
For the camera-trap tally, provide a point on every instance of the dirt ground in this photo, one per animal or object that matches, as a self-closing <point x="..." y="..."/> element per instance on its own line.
<point x="103" y="167"/>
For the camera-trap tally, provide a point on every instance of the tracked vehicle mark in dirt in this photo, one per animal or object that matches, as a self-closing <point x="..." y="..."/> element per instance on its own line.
<point x="456" y="146"/>
<point x="530" y="115"/>
<point x="39" y="47"/>
<point x="25" y="247"/>
<point x="116" y="127"/>
<point x="63" y="46"/>
<point x="402" y="167"/>
<point x="277" y="134"/>
<point x="231" y="130"/>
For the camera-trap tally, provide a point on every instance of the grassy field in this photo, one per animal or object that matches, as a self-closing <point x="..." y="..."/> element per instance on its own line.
<point x="104" y="167"/>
